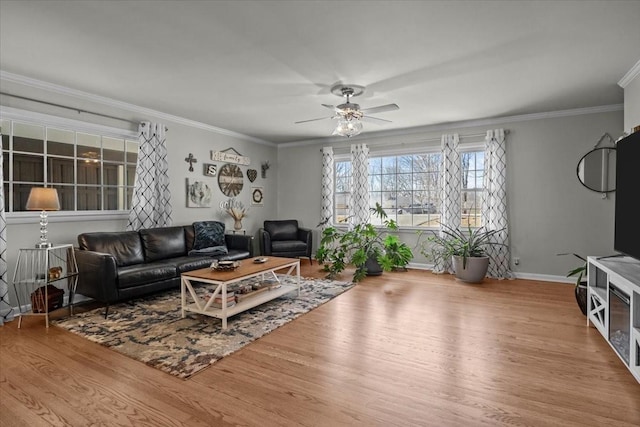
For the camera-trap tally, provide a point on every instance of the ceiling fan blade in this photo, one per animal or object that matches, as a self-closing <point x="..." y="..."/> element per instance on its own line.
<point x="375" y="120"/>
<point x="313" y="120"/>
<point x="331" y="107"/>
<point x="381" y="108"/>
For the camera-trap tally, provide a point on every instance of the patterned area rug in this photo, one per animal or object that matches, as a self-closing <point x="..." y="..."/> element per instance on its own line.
<point x="152" y="330"/>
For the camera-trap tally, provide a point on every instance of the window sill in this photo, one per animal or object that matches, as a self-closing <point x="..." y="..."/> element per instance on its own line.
<point x="65" y="216"/>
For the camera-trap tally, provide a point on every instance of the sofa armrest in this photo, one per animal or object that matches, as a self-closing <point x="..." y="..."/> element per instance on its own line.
<point x="306" y="236"/>
<point x="239" y="242"/>
<point x="97" y="273"/>
<point x="265" y="242"/>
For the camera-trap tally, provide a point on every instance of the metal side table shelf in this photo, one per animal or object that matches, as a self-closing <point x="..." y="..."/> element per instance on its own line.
<point x="40" y="278"/>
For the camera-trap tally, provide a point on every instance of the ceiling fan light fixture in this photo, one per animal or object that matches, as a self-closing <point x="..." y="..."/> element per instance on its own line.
<point x="348" y="127"/>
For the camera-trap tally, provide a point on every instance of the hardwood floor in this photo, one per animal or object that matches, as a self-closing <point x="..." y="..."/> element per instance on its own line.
<point x="399" y="349"/>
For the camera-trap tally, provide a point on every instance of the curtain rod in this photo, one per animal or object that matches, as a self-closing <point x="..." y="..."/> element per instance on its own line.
<point x="434" y="139"/>
<point x="79" y="110"/>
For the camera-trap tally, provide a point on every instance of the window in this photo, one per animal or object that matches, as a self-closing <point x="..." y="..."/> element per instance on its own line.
<point x="91" y="172"/>
<point x="408" y="187"/>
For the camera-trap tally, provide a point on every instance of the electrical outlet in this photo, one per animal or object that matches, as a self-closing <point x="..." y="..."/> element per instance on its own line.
<point x="516" y="261"/>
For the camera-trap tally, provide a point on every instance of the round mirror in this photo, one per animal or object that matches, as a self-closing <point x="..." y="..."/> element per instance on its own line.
<point x="597" y="170"/>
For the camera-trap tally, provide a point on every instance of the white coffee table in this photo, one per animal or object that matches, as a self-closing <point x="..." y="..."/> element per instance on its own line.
<point x="247" y="270"/>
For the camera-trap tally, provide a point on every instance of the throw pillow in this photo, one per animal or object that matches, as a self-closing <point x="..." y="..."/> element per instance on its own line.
<point x="212" y="251"/>
<point x="208" y="234"/>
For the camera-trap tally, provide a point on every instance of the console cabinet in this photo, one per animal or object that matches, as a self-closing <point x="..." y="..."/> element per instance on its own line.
<point x="613" y="305"/>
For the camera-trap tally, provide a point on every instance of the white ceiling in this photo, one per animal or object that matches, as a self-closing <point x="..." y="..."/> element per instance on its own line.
<point x="256" y="67"/>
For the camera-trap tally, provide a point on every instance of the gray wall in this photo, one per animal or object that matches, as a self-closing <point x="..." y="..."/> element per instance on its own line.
<point x="549" y="210"/>
<point x="632" y="104"/>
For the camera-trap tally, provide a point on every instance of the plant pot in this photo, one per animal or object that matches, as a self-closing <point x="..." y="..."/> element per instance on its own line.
<point x="475" y="271"/>
<point x="581" y="296"/>
<point x="373" y="267"/>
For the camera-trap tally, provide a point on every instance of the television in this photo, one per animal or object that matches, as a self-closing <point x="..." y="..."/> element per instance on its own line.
<point x="627" y="218"/>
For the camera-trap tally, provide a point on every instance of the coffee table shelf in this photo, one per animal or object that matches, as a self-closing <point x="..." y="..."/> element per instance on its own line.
<point x="247" y="270"/>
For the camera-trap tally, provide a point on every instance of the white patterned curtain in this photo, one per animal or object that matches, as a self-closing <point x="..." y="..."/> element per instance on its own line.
<point x="151" y="201"/>
<point x="450" y="193"/>
<point x="326" y="214"/>
<point x="359" y="185"/>
<point x="494" y="203"/>
<point x="5" y="306"/>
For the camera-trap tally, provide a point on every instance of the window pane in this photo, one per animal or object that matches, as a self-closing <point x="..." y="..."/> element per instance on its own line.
<point x="66" y="197"/>
<point x="375" y="165"/>
<point x="113" y="174"/>
<point x="131" y="175"/>
<point x="20" y="196"/>
<point x="28" y="168"/>
<point x="113" y="149"/>
<point x="89" y="172"/>
<point x="405" y="163"/>
<point x="60" y="170"/>
<point x="114" y="198"/>
<point x="388" y="165"/>
<point x="5" y="167"/>
<point x="6" y="197"/>
<point x="89" y="198"/>
<point x="88" y="146"/>
<point x="132" y="151"/>
<point x="28" y="138"/>
<point x="389" y="182"/>
<point x="60" y="142"/>
<point x="375" y="183"/>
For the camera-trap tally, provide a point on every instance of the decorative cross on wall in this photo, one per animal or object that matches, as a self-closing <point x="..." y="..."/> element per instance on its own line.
<point x="191" y="160"/>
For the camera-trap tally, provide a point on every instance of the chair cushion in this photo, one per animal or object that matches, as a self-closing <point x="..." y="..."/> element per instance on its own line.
<point x="162" y="243"/>
<point x="208" y="234"/>
<point x="288" y="246"/>
<point x="125" y="246"/>
<point x="282" y="229"/>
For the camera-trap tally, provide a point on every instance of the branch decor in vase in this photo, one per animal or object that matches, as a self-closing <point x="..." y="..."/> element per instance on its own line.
<point x="236" y="210"/>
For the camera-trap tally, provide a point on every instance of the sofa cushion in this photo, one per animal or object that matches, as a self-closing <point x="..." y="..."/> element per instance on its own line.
<point x="282" y="229"/>
<point x="140" y="274"/>
<point x="125" y="246"/>
<point x="208" y="234"/>
<point x="162" y="243"/>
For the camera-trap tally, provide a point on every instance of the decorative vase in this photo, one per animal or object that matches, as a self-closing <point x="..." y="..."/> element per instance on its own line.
<point x="475" y="270"/>
<point x="237" y="225"/>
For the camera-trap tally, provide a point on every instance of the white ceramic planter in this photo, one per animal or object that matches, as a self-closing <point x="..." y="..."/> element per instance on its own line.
<point x="475" y="271"/>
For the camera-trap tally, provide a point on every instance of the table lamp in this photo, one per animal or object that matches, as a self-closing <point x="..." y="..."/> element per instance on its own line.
<point x="43" y="199"/>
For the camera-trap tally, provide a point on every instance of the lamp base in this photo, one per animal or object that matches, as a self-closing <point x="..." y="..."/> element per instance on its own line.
<point x="44" y="245"/>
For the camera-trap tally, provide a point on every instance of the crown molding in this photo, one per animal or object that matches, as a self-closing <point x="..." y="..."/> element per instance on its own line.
<point x="86" y="96"/>
<point x="462" y="124"/>
<point x="631" y="74"/>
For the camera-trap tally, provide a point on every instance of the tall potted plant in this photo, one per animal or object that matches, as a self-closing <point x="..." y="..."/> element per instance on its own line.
<point x="580" y="289"/>
<point x="466" y="249"/>
<point x="369" y="248"/>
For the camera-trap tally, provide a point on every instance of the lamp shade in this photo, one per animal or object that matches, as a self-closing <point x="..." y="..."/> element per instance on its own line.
<point x="43" y="199"/>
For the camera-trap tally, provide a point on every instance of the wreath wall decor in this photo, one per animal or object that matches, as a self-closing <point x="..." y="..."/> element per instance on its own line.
<point x="257" y="196"/>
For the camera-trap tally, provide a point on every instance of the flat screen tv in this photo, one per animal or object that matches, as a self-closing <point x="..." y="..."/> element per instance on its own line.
<point x="627" y="216"/>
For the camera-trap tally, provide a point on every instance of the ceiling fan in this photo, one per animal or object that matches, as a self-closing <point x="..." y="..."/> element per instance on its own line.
<point x="349" y="115"/>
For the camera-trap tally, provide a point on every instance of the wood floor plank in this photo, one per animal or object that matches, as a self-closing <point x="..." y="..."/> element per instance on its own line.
<point x="400" y="349"/>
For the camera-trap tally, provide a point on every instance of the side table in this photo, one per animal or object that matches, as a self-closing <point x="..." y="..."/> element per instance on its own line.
<point x="40" y="271"/>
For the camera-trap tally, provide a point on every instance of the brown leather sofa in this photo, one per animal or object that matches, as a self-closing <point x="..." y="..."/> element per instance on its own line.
<point x="121" y="265"/>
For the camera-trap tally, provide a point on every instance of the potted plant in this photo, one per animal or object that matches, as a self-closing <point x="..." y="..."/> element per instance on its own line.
<point x="370" y="249"/>
<point x="580" y="289"/>
<point x="466" y="249"/>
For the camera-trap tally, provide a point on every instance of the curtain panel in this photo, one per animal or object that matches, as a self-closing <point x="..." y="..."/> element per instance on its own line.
<point x="450" y="196"/>
<point x="359" y="185"/>
<point x="326" y="211"/>
<point x="494" y="204"/>
<point x="151" y="201"/>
